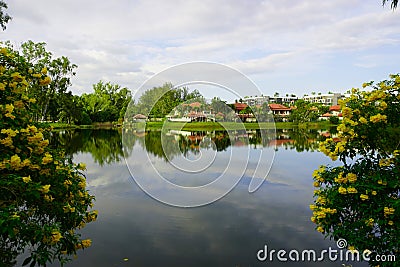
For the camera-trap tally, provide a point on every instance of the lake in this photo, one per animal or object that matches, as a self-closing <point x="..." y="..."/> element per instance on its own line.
<point x="134" y="229"/>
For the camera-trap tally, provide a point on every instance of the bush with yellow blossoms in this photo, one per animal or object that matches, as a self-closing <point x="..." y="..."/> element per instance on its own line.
<point x="359" y="201"/>
<point x="43" y="199"/>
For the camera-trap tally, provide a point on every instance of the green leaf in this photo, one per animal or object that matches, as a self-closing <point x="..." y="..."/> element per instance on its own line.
<point x="26" y="261"/>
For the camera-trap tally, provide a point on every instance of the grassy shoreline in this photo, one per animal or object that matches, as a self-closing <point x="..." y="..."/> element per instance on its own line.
<point x="201" y="126"/>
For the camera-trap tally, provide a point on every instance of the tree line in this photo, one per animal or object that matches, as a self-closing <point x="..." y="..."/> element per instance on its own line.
<point x="55" y="102"/>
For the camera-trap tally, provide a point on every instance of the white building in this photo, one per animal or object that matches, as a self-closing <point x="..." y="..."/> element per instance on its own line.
<point x="325" y="99"/>
<point x="259" y="100"/>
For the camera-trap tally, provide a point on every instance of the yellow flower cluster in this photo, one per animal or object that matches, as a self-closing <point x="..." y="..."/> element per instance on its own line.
<point x="47" y="158"/>
<point x="48" y="198"/>
<point x="82" y="183"/>
<point x="341" y="179"/>
<point x="352" y="190"/>
<point x="342" y="190"/>
<point x="349" y="190"/>
<point x="317" y="174"/>
<point x="84" y="244"/>
<point x="351" y="177"/>
<point x="364" y="197"/>
<point x="8" y="142"/>
<point x="55" y="236"/>
<point x="26" y="179"/>
<point x="45" y="81"/>
<point x="321" y="200"/>
<point x="363" y="120"/>
<point x="383" y="105"/>
<point x="323" y="147"/>
<point x="45" y="189"/>
<point x="378" y="118"/>
<point x="92" y="216"/>
<point x="68" y="208"/>
<point x="9" y="132"/>
<point x="347" y="112"/>
<point x="9" y="108"/>
<point x="376" y="95"/>
<point x="82" y="166"/>
<point x="388" y="211"/>
<point x="68" y="183"/>
<point x="349" y="122"/>
<point x="382" y="182"/>
<point x="370" y="222"/>
<point x="15" y="162"/>
<point x="35" y="138"/>
<point x="385" y="162"/>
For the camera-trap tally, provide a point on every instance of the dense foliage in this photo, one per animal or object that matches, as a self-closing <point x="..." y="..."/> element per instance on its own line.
<point x="43" y="200"/>
<point x="158" y="102"/>
<point x="108" y="102"/>
<point x="359" y="201"/>
<point x="307" y="112"/>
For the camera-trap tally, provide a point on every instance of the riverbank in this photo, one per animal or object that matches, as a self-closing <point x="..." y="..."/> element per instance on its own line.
<point x="201" y="126"/>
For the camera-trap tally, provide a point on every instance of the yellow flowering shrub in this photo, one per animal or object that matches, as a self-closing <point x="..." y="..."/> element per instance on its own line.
<point x="37" y="182"/>
<point x="365" y="190"/>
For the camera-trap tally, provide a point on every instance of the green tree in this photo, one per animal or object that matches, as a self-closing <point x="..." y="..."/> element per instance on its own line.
<point x="4" y="17"/>
<point x="393" y="4"/>
<point x="334" y="119"/>
<point x="304" y="112"/>
<point x="108" y="102"/>
<point x="43" y="196"/>
<point x="59" y="71"/>
<point x="160" y="101"/>
<point x="359" y="201"/>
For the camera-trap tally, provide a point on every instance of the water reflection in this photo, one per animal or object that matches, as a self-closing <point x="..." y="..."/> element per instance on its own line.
<point x="106" y="147"/>
<point x="229" y="232"/>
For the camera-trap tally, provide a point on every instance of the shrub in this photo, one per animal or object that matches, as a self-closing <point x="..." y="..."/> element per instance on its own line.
<point x="334" y="120"/>
<point x="43" y="200"/>
<point x="359" y="201"/>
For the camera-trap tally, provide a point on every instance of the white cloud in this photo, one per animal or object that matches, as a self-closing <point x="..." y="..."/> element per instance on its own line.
<point x="127" y="41"/>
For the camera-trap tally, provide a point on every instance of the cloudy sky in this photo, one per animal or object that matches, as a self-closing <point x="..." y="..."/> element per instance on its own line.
<point x="282" y="45"/>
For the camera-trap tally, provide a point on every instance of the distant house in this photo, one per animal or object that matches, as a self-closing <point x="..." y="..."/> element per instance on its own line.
<point x="325" y="116"/>
<point x="195" y="105"/>
<point x="197" y="116"/>
<point x="139" y="118"/>
<point x="220" y="116"/>
<point x="280" y="110"/>
<point x="334" y="111"/>
<point x="239" y="107"/>
<point x="245" y="117"/>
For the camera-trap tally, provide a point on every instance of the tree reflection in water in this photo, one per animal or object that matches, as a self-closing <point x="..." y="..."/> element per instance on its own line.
<point x="105" y="145"/>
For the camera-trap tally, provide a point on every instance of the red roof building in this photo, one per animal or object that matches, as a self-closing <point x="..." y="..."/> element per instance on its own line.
<point x="334" y="108"/>
<point x="239" y="106"/>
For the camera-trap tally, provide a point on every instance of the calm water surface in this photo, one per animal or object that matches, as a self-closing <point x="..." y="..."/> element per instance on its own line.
<point x="135" y="230"/>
